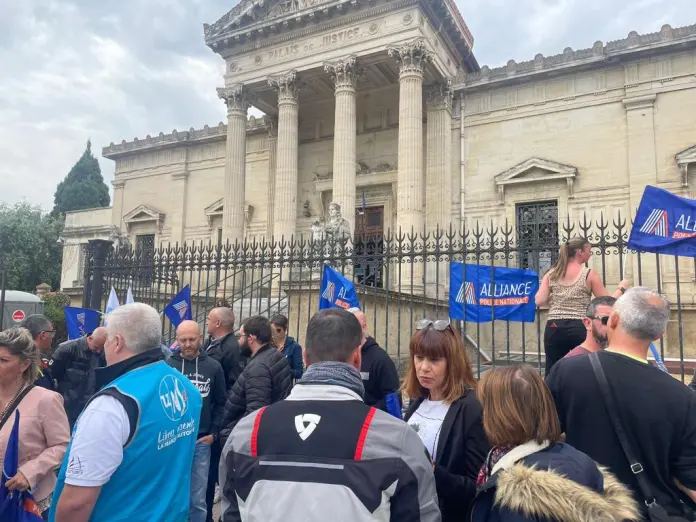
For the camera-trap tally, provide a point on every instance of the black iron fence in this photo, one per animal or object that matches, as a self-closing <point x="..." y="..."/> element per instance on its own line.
<point x="399" y="279"/>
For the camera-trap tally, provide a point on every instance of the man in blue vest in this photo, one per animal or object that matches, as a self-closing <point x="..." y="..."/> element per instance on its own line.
<point x="132" y="448"/>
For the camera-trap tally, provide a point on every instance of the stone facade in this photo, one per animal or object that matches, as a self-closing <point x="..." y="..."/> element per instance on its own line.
<point x="384" y="101"/>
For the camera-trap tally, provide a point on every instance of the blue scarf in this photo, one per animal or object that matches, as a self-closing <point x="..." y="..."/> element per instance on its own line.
<point x="335" y="374"/>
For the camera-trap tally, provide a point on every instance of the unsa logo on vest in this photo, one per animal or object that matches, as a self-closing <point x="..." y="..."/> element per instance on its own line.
<point x="306" y="424"/>
<point x="173" y="397"/>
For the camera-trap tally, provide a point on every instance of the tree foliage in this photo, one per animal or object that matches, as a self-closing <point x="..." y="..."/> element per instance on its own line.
<point x="54" y="302"/>
<point x="83" y="187"/>
<point x="29" y="247"/>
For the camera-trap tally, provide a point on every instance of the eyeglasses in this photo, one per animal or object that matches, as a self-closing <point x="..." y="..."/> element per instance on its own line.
<point x="438" y="325"/>
<point x="604" y="319"/>
<point x="52" y="332"/>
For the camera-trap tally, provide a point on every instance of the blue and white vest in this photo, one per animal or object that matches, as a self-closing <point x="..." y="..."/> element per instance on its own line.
<point x="153" y="481"/>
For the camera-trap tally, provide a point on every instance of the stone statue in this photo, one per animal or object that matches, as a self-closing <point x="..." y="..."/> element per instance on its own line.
<point x="337" y="228"/>
<point x="318" y="231"/>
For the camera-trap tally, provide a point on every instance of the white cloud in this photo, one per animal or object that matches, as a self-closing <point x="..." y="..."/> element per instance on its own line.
<point x="79" y="69"/>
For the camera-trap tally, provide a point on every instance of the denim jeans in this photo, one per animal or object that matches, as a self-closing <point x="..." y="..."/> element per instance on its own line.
<point x="199" y="482"/>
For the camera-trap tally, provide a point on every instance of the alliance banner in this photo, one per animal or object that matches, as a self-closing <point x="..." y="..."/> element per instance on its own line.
<point x="478" y="293"/>
<point x="664" y="224"/>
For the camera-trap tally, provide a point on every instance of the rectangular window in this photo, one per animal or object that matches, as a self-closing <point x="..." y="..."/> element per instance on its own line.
<point x="537" y="235"/>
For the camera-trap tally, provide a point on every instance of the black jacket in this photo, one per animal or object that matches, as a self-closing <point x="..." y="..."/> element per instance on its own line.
<point x="225" y="350"/>
<point x="555" y="484"/>
<point x="205" y="374"/>
<point x="379" y="374"/>
<point x="293" y="352"/>
<point x="266" y="379"/>
<point x="72" y="366"/>
<point x="461" y="449"/>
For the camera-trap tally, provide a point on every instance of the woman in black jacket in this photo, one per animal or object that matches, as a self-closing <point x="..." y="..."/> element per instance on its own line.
<point x="287" y="345"/>
<point x="446" y="414"/>
<point x="529" y="475"/>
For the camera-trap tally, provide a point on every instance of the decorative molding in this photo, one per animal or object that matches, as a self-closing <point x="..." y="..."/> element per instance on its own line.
<point x="286" y="85"/>
<point x="684" y="159"/>
<point x="553" y="170"/>
<point x="118" y="183"/>
<point x="639" y="102"/>
<point x="182" y="174"/>
<point x="191" y="137"/>
<point x="143" y="214"/>
<point x="599" y="52"/>
<point x="213" y="211"/>
<point x="237" y="99"/>
<point x="411" y="56"/>
<point x="344" y="73"/>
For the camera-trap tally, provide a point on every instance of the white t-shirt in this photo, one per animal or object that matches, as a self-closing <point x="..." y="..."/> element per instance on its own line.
<point x="427" y="421"/>
<point x="97" y="447"/>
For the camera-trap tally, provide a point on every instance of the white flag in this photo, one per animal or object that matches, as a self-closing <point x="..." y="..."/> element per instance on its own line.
<point x="112" y="304"/>
<point x="129" y="296"/>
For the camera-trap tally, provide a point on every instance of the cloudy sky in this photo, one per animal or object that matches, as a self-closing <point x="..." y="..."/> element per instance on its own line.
<point x="77" y="69"/>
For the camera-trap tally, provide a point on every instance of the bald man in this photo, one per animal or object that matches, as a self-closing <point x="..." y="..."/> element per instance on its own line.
<point x="205" y="373"/>
<point x="72" y="366"/>
<point x="377" y="369"/>
<point x="222" y="344"/>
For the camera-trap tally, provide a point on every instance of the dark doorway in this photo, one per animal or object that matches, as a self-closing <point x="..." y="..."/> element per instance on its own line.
<point x="369" y="246"/>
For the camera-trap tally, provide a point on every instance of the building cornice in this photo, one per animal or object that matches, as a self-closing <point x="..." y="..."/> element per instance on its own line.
<point x="668" y="39"/>
<point x="255" y="24"/>
<point x="182" y="138"/>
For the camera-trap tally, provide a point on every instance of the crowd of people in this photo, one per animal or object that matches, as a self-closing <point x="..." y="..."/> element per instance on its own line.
<point x="292" y="433"/>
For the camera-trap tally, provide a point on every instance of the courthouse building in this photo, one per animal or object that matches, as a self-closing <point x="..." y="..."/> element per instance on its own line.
<point x="381" y="106"/>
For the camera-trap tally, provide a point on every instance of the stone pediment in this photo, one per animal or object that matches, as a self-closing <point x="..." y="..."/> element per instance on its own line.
<point x="213" y="211"/>
<point x="684" y="159"/>
<point x="535" y="170"/>
<point x="143" y="214"/>
<point x="254" y="12"/>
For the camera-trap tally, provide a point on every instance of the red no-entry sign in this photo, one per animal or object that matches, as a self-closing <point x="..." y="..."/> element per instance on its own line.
<point x="18" y="316"/>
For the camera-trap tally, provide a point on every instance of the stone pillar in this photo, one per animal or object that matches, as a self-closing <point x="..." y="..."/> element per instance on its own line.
<point x="285" y="212"/>
<point x="272" y="127"/>
<point x="438" y="181"/>
<point x="236" y="98"/>
<point x="178" y="190"/>
<point x="117" y="207"/>
<point x="344" y="76"/>
<point x="412" y="58"/>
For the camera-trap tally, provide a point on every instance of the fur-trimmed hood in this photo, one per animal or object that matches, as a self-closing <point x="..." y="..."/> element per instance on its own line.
<point x="558" y="483"/>
<point x="547" y="494"/>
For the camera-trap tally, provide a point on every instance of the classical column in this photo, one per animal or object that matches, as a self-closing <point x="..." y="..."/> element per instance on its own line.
<point x="236" y="98"/>
<point x="438" y="180"/>
<point x="412" y="58"/>
<point x="272" y="127"/>
<point x="344" y="76"/>
<point x="285" y="212"/>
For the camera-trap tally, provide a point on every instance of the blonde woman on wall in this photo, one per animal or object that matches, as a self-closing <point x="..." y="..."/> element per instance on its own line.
<point x="567" y="289"/>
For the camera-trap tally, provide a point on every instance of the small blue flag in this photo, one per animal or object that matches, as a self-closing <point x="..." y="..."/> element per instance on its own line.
<point x="15" y="506"/>
<point x="508" y="291"/>
<point x="393" y="405"/>
<point x="179" y="308"/>
<point x="336" y="291"/>
<point x="129" y="296"/>
<point x="658" y="359"/>
<point x="80" y="321"/>
<point x="664" y="224"/>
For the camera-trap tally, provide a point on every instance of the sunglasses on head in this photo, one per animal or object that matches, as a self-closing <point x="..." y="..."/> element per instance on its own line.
<point x="604" y="319"/>
<point x="438" y="325"/>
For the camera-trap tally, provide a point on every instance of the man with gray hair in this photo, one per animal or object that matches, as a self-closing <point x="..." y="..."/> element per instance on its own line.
<point x="658" y="413"/>
<point x="43" y="333"/>
<point x="134" y="435"/>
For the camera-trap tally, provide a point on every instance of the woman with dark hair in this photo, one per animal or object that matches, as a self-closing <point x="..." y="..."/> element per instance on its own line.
<point x="446" y="414"/>
<point x="43" y="424"/>
<point x="568" y="289"/>
<point x="530" y="475"/>
<point x="286" y="344"/>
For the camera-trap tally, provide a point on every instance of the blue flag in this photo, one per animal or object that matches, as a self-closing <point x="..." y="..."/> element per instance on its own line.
<point x="179" y="308"/>
<point x="664" y="224"/>
<point x="475" y="294"/>
<point x="15" y="506"/>
<point x="80" y="321"/>
<point x="336" y="291"/>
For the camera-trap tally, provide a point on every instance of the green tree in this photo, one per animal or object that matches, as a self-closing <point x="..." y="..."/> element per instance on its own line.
<point x="83" y="187"/>
<point x="54" y="303"/>
<point x="29" y="247"/>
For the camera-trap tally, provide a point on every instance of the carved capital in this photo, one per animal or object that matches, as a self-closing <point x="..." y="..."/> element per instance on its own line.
<point x="236" y="98"/>
<point x="440" y="96"/>
<point x="344" y="73"/>
<point x="286" y="85"/>
<point x="411" y="57"/>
